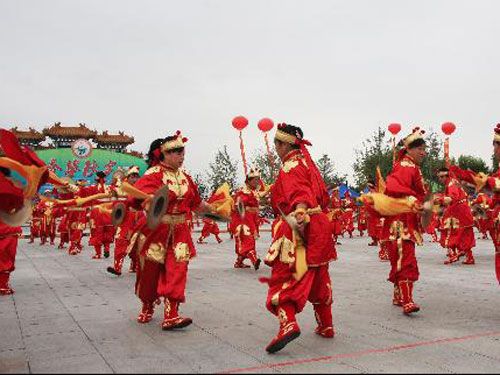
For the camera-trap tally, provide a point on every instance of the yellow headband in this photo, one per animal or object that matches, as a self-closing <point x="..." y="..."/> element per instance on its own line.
<point x="285" y="137"/>
<point x="173" y="144"/>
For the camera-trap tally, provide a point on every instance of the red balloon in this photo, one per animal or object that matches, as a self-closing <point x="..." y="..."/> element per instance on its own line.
<point x="394" y="128"/>
<point x="240" y="122"/>
<point x="265" y="124"/>
<point x="448" y="128"/>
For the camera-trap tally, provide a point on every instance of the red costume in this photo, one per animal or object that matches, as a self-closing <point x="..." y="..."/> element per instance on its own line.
<point x="209" y="227"/>
<point x="348" y="217"/>
<point x="36" y="223"/>
<point x="245" y="227"/>
<point x="335" y="216"/>
<point x="457" y="225"/>
<point x="48" y="222"/>
<point x="433" y="226"/>
<point x="166" y="251"/>
<point x="299" y="265"/>
<point x="102" y="231"/>
<point x="125" y="231"/>
<point x="401" y="232"/>
<point x="484" y="222"/>
<point x="362" y="220"/>
<point x="8" y="248"/>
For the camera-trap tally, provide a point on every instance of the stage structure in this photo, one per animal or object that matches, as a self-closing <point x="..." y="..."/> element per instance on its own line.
<point x="79" y="152"/>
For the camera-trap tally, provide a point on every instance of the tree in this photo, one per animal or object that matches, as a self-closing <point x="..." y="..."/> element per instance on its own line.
<point x="473" y="163"/>
<point x="327" y="170"/>
<point x="433" y="161"/>
<point x="202" y="186"/>
<point x="375" y="151"/>
<point x="261" y="161"/>
<point x="223" y="169"/>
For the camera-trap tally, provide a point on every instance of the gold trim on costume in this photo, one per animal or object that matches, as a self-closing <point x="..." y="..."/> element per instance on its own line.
<point x="181" y="252"/>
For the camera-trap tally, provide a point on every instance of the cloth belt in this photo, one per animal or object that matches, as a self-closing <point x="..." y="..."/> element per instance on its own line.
<point x="173" y="219"/>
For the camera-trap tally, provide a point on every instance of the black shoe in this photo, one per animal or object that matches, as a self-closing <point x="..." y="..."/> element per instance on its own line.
<point x="256" y="266"/>
<point x="106" y="254"/>
<point x="113" y="271"/>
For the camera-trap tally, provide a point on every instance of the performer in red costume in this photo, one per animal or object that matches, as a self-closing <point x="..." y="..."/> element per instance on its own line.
<point x="36" y="223"/>
<point x="458" y="222"/>
<point x="165" y="252"/>
<point x="102" y="230"/>
<point x="484" y="222"/>
<point x="300" y="253"/>
<point x="15" y="202"/>
<point x="11" y="199"/>
<point x="401" y="232"/>
<point x="245" y="220"/>
<point x="488" y="182"/>
<point x="48" y="223"/>
<point x="433" y="227"/>
<point x="209" y="227"/>
<point x="348" y="217"/>
<point x="362" y="220"/>
<point x="335" y="216"/>
<point x="124" y="232"/>
<point x="375" y="223"/>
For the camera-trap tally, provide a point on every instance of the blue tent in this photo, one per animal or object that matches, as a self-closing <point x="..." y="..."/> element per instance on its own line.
<point x="344" y="188"/>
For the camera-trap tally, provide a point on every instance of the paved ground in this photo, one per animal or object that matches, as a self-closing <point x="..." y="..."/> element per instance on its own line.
<point x="69" y="315"/>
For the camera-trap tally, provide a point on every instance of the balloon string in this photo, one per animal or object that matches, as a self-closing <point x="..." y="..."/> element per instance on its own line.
<point x="447" y="151"/>
<point x="269" y="155"/>
<point x="242" y="149"/>
<point x="393" y="150"/>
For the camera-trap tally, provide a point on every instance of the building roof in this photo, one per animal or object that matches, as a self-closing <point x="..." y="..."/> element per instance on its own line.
<point x="80" y="131"/>
<point x="28" y="135"/>
<point x="120" y="138"/>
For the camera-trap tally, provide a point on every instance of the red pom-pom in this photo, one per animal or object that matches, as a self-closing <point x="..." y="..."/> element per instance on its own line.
<point x="184" y="140"/>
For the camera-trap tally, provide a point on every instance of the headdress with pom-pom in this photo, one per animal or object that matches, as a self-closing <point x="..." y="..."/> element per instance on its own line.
<point x="177" y="142"/>
<point x="497" y="133"/>
<point x="254" y="173"/>
<point x="416" y="134"/>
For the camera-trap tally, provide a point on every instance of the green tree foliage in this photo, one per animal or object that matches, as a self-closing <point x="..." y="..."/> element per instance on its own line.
<point x="261" y="161"/>
<point x="327" y="170"/>
<point x="222" y="169"/>
<point x="473" y="163"/>
<point x="433" y="161"/>
<point x="203" y="189"/>
<point x="375" y="151"/>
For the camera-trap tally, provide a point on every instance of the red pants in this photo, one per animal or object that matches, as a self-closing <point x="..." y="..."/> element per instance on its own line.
<point x="495" y="236"/>
<point x="315" y="287"/>
<point x="8" y="250"/>
<point x="403" y="261"/>
<point x="162" y="280"/>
